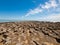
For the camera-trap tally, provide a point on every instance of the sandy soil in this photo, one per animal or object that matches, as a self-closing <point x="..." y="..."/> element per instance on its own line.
<point x="30" y="33"/>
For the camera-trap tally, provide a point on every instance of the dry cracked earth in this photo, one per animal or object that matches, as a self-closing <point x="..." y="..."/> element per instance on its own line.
<point x="30" y="33"/>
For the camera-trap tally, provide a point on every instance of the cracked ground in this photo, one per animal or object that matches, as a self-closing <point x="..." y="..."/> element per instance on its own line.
<point x="30" y="33"/>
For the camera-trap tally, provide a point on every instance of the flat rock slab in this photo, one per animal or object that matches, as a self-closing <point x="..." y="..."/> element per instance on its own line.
<point x="30" y="33"/>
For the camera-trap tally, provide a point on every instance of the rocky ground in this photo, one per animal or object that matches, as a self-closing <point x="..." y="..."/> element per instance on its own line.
<point x="30" y="33"/>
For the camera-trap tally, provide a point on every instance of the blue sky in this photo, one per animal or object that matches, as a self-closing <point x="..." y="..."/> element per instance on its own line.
<point x="41" y="10"/>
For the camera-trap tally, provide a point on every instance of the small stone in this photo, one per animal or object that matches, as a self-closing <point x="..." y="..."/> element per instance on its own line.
<point x="26" y="41"/>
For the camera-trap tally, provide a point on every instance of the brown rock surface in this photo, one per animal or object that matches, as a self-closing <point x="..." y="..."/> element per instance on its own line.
<point x="30" y="33"/>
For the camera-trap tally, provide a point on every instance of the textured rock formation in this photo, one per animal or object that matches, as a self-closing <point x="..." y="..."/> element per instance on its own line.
<point x="30" y="33"/>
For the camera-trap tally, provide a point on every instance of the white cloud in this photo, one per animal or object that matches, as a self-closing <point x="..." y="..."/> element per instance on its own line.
<point x="52" y="17"/>
<point x="50" y="4"/>
<point x="32" y="12"/>
<point x="59" y="1"/>
<point x="53" y="3"/>
<point x="46" y="6"/>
